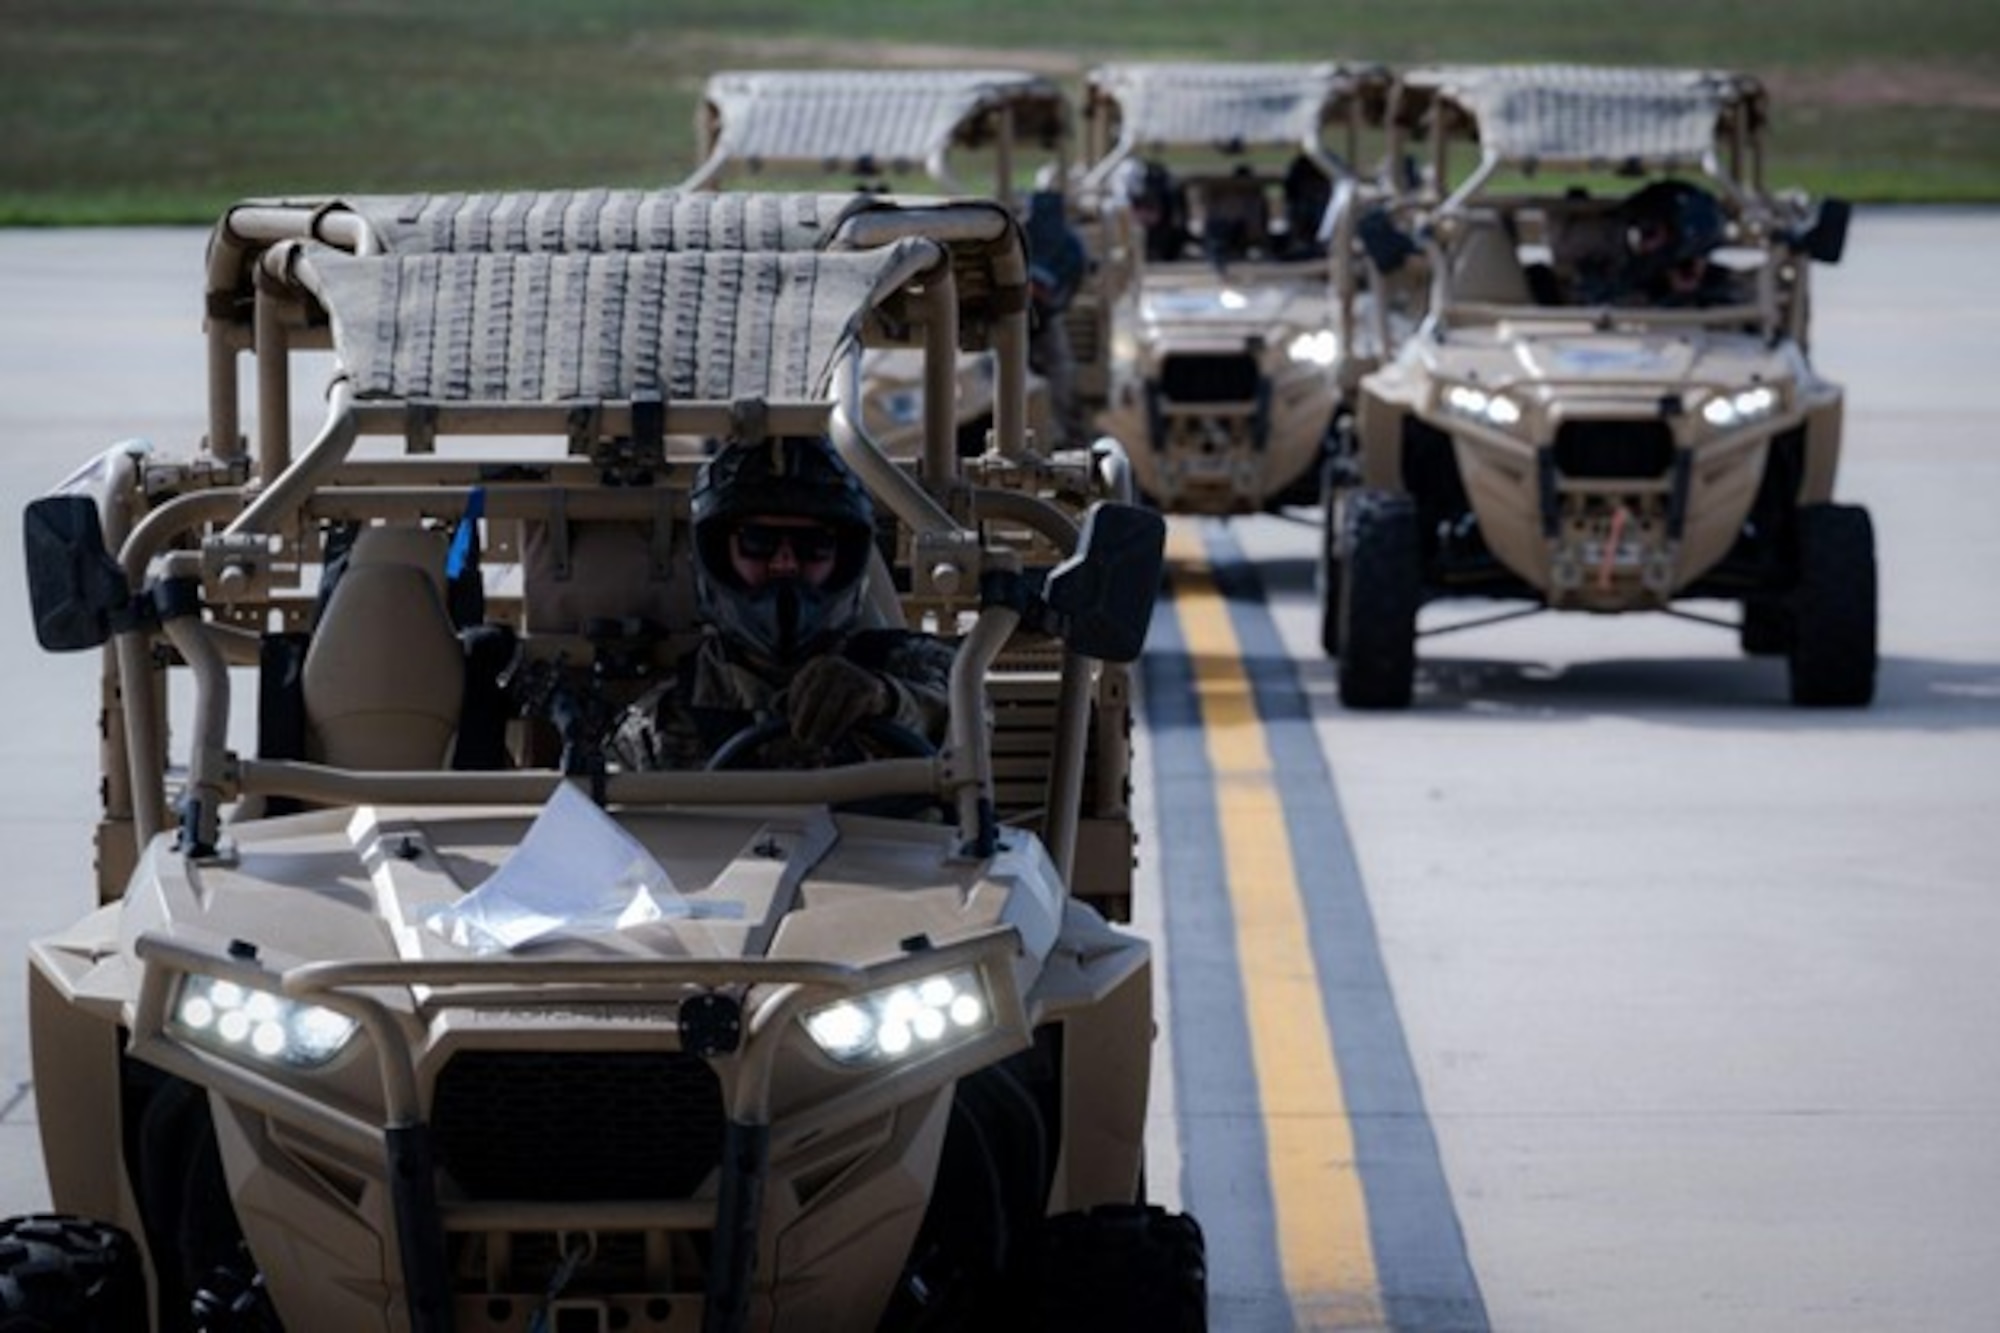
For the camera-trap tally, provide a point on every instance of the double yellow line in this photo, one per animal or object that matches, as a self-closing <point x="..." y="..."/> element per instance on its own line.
<point x="1322" y="1216"/>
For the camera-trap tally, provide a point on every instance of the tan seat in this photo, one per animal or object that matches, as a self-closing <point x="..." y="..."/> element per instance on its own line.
<point x="1485" y="266"/>
<point x="606" y="571"/>
<point x="385" y="675"/>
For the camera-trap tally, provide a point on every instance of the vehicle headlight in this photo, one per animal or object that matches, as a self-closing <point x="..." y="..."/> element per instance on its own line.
<point x="1476" y="404"/>
<point x="902" y="1022"/>
<point x="237" y="1020"/>
<point x="1739" y="409"/>
<point x="1318" y="348"/>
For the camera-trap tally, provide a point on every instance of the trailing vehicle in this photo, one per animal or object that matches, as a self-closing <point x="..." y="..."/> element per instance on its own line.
<point x="1227" y="197"/>
<point x="957" y="133"/>
<point x="1609" y="405"/>
<point x="418" y="1009"/>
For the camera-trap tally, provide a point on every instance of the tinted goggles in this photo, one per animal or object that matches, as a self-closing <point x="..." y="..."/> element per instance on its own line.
<point x="763" y="541"/>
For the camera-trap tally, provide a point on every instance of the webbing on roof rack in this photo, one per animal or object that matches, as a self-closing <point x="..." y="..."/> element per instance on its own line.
<point x="603" y="221"/>
<point x="1220" y="104"/>
<point x="547" y="327"/>
<point x="891" y="117"/>
<point x="1590" y="115"/>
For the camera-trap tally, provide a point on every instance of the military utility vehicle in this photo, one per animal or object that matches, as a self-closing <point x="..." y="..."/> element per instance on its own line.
<point x="988" y="133"/>
<point x="1609" y="406"/>
<point x="414" y="1010"/>
<point x="1227" y="196"/>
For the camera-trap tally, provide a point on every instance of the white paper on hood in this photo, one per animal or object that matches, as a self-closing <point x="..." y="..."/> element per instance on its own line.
<point x="575" y="873"/>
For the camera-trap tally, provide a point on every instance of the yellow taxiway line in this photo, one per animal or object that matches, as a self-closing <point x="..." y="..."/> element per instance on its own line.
<point x="1322" y="1215"/>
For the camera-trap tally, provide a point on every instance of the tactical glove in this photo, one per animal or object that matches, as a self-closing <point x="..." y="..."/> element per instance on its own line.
<point x="830" y="695"/>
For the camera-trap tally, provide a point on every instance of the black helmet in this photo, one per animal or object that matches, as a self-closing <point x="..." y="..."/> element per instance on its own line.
<point x="1670" y="222"/>
<point x="799" y="476"/>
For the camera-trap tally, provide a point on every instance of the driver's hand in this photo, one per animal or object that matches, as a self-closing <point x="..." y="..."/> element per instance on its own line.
<point x="830" y="695"/>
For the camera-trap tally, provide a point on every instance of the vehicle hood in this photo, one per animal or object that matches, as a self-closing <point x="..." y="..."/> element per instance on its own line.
<point x="1222" y="304"/>
<point x="381" y="883"/>
<point x="1585" y="358"/>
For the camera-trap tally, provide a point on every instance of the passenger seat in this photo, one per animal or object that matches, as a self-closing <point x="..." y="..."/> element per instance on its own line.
<point x="384" y="677"/>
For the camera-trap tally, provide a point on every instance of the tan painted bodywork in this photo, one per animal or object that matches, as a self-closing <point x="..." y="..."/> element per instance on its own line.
<point x="852" y="1153"/>
<point x="1238" y="455"/>
<point x="1582" y="372"/>
<point x="1559" y="352"/>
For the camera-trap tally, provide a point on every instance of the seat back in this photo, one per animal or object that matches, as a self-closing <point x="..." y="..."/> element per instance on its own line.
<point x="384" y="677"/>
<point x="1485" y="266"/>
<point x="597" y="570"/>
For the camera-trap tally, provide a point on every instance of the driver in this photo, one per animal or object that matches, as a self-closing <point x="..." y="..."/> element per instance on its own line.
<point x="1671" y="229"/>
<point x="782" y="537"/>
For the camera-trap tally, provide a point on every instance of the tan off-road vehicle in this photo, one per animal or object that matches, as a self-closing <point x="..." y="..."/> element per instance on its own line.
<point x="415" y="1010"/>
<point x="985" y="133"/>
<point x="1226" y="199"/>
<point x="1609" y="405"/>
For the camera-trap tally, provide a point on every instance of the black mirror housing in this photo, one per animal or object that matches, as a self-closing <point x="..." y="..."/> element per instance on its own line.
<point x="1388" y="247"/>
<point x="1826" y="239"/>
<point x="1100" y="600"/>
<point x="76" y="590"/>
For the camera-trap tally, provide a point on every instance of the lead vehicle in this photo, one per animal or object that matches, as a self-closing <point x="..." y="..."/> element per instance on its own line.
<point x="1609" y="405"/>
<point x="413" y="1010"/>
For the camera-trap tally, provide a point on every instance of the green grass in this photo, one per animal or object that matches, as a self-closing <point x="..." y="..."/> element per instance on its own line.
<point x="166" y="110"/>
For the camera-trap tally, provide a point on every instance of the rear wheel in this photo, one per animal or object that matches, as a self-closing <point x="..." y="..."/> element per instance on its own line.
<point x="1833" y="649"/>
<point x="1381" y="589"/>
<point x="1122" y="1268"/>
<point x="68" y="1275"/>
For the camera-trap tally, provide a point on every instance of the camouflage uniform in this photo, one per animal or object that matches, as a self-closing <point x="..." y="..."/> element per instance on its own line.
<point x="680" y="722"/>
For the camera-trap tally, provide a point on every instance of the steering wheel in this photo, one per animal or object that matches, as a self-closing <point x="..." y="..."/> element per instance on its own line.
<point x="885" y="739"/>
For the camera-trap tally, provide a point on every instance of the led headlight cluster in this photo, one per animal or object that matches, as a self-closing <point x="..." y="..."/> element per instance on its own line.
<point x="1475" y="404"/>
<point x="1318" y="348"/>
<point x="240" y="1020"/>
<point x="901" y="1022"/>
<point x="1739" y="409"/>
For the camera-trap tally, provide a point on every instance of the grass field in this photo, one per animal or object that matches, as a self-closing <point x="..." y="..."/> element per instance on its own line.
<point x="166" y="110"/>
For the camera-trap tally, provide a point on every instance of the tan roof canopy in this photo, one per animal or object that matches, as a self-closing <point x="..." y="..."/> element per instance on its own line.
<point x="603" y="221"/>
<point x="546" y="327"/>
<point x="874" y="120"/>
<point x="1227" y="106"/>
<point x="1583" y="116"/>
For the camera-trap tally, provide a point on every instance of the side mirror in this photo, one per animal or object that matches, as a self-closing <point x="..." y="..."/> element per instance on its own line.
<point x="1387" y="246"/>
<point x="1100" y="600"/>
<point x="1826" y="239"/>
<point x="76" y="590"/>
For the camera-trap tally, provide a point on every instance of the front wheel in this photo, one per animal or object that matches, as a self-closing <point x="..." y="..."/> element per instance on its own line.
<point x="1381" y="589"/>
<point x="1326" y="571"/>
<point x="1122" y="1268"/>
<point x="1833" y="649"/>
<point x="1766" y="629"/>
<point x="68" y="1275"/>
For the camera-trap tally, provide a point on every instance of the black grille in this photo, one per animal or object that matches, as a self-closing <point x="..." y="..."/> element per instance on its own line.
<point x="548" y="1126"/>
<point x="1209" y="379"/>
<point x="1614" y="449"/>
